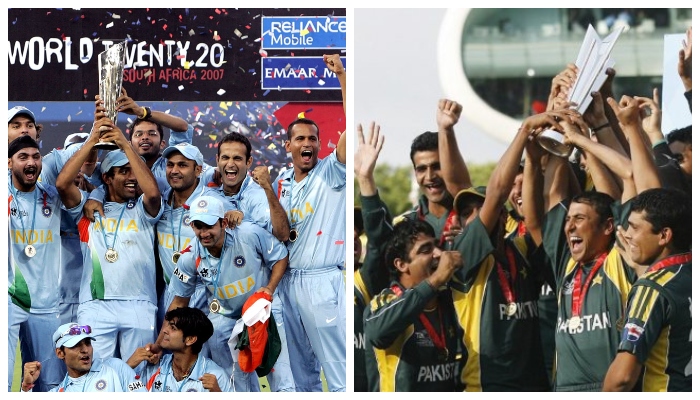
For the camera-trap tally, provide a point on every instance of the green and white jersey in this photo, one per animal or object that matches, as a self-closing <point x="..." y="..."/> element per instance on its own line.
<point x="128" y="230"/>
<point x="658" y="328"/>
<point x="35" y="248"/>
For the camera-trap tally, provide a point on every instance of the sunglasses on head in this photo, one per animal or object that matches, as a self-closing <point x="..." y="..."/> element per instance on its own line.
<point x="75" y="330"/>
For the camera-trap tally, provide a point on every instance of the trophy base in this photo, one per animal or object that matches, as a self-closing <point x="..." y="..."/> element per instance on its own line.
<point x="553" y="142"/>
<point x="106" y="146"/>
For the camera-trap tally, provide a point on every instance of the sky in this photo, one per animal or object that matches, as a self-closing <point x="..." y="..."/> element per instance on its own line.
<point x="396" y="83"/>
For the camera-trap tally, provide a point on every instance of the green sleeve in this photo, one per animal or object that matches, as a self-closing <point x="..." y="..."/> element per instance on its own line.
<point x="377" y="222"/>
<point x="389" y="315"/>
<point x="475" y="245"/>
<point x="554" y="240"/>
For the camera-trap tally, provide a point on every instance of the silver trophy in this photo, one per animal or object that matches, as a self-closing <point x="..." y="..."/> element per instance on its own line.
<point x="111" y="71"/>
<point x="592" y="62"/>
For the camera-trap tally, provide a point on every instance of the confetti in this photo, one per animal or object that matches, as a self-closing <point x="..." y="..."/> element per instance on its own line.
<point x="266" y="92"/>
<point x="147" y="73"/>
<point x="220" y="92"/>
<point x="181" y="87"/>
<point x="321" y="82"/>
<point x="237" y="32"/>
<point x="116" y="16"/>
<point x="191" y="32"/>
<point x="304" y="32"/>
<point x="263" y="53"/>
<point x="109" y="25"/>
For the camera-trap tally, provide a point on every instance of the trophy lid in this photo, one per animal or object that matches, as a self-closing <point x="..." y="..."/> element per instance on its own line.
<point x="553" y="142"/>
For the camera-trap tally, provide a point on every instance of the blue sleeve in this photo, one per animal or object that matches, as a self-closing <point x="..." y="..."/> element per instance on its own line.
<point x="333" y="171"/>
<point x="272" y="250"/>
<point x="126" y="375"/>
<point x="98" y="194"/>
<point x="183" y="282"/>
<point x="52" y="163"/>
<point x="145" y="216"/>
<point x="181" y="137"/>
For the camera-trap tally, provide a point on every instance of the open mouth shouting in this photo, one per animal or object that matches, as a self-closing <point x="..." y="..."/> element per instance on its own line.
<point x="575" y="245"/>
<point x="131" y="187"/>
<point x="306" y="155"/>
<point x="31" y="174"/>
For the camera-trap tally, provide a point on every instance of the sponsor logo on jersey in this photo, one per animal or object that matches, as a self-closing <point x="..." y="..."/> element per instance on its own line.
<point x="589" y="323"/>
<point x="359" y="340"/>
<point x="181" y="276"/>
<point x="135" y="386"/>
<point x="438" y="373"/>
<point x="632" y="332"/>
<point x="158" y="385"/>
<point x="525" y="310"/>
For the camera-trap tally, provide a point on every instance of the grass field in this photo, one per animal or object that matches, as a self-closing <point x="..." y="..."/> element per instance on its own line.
<point x="264" y="386"/>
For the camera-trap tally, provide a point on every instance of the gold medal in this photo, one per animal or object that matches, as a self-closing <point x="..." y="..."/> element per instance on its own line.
<point x="176" y="256"/>
<point x="443" y="354"/>
<point x="511" y="309"/>
<point x="111" y="255"/>
<point x="214" y="306"/>
<point x="574" y="322"/>
<point x="30" y="251"/>
<point x="293" y="234"/>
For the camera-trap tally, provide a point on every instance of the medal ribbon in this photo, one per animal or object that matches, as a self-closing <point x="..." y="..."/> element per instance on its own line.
<point x="508" y="288"/>
<point x="445" y="227"/>
<point x="21" y="221"/>
<point x="172" y="228"/>
<point x="672" y="260"/>
<point x="218" y="268"/>
<point x="116" y="229"/>
<point x="439" y="341"/>
<point x="578" y="294"/>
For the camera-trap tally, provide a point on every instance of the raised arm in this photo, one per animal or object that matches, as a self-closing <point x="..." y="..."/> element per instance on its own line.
<point x="454" y="170"/>
<point x="501" y="180"/>
<point x="644" y="170"/>
<point x="533" y="195"/>
<point x="685" y="60"/>
<point x="334" y="64"/>
<point x="70" y="194"/>
<point x="127" y="105"/>
<point x="278" y="217"/>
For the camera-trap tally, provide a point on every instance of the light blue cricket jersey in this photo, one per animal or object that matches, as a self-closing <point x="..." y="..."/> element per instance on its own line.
<point x="316" y="209"/>
<point x="74" y="254"/>
<point x="133" y="275"/>
<point x="174" y="230"/>
<point x="245" y="264"/>
<point x="250" y="199"/>
<point x="35" y="219"/>
<point x="52" y="163"/>
<point x="106" y="375"/>
<point x="160" y="378"/>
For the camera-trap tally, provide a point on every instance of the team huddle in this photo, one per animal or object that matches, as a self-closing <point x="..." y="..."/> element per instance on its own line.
<point x="252" y="271"/>
<point x="583" y="283"/>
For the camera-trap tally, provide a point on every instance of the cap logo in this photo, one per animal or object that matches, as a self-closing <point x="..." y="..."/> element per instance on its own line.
<point x="202" y="203"/>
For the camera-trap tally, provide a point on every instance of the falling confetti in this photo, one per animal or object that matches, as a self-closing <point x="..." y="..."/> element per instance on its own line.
<point x="220" y="92"/>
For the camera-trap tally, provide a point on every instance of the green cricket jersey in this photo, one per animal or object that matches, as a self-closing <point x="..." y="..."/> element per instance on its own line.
<point x="658" y="328"/>
<point x="504" y="352"/>
<point x="584" y="354"/>
<point x="407" y="355"/>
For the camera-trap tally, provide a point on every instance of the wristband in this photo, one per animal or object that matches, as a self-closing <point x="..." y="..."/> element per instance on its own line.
<point x="605" y="125"/>
<point x="146" y="113"/>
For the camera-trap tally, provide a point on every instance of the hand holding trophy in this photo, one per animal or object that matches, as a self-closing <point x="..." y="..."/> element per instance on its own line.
<point x="592" y="62"/>
<point x="111" y="72"/>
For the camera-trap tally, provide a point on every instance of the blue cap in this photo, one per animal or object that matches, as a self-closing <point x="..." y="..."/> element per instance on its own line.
<point x="207" y="209"/>
<point x="18" y="110"/>
<point x="189" y="151"/>
<point x="115" y="158"/>
<point x="65" y="336"/>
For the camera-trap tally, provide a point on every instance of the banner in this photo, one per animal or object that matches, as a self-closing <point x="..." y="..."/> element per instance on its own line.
<point x="171" y="54"/>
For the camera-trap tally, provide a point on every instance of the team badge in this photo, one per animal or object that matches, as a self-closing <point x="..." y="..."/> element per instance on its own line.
<point x="101" y="385"/>
<point x="186" y="220"/>
<point x="239" y="261"/>
<point x="191" y="390"/>
<point x="46" y="211"/>
<point x="202" y="203"/>
<point x="130" y="204"/>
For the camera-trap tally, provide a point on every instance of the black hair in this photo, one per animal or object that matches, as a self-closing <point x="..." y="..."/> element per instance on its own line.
<point x="683" y="135"/>
<point x="304" y="121"/>
<point x="192" y="322"/>
<point x="402" y="239"/>
<point x="235" y="137"/>
<point x="667" y="208"/>
<point x="134" y="124"/>
<point x="600" y="202"/>
<point x="426" y="141"/>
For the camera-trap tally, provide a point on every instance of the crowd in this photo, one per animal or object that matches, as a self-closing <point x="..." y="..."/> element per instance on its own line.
<point x="150" y="270"/>
<point x="561" y="274"/>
